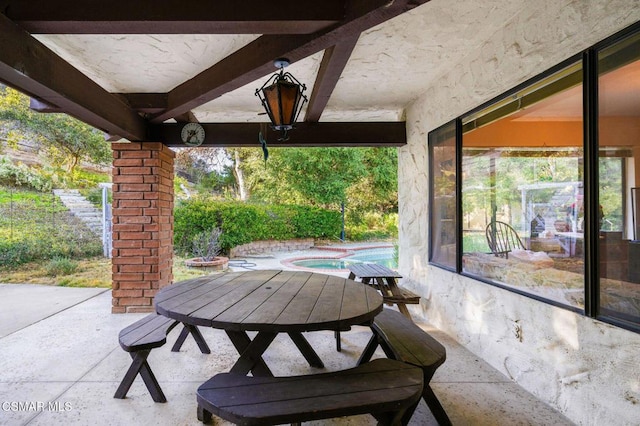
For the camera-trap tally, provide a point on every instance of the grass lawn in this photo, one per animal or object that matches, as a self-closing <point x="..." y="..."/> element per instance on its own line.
<point x="95" y="272"/>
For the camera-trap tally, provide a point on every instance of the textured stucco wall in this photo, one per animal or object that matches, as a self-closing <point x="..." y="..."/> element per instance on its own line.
<point x="586" y="369"/>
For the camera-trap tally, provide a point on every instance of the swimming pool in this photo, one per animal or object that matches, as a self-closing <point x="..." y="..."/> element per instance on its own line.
<point x="382" y="256"/>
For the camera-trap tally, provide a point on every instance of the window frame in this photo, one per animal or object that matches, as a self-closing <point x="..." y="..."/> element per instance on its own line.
<point x="434" y="138"/>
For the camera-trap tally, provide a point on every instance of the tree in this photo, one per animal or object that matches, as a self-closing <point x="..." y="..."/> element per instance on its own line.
<point x="365" y="178"/>
<point x="66" y="139"/>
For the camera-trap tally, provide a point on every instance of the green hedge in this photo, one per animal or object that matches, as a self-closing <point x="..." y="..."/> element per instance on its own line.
<point x="243" y="223"/>
<point x="43" y="245"/>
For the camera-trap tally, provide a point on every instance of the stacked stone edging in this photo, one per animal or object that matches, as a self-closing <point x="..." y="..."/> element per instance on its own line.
<point x="268" y="246"/>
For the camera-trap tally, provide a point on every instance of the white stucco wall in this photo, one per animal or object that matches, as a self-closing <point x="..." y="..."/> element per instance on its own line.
<point x="588" y="370"/>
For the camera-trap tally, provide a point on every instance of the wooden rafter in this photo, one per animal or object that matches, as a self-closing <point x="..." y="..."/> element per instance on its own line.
<point x="255" y="60"/>
<point x="29" y="66"/>
<point x="173" y="16"/>
<point x="145" y="103"/>
<point x="305" y="135"/>
<point x="334" y="60"/>
<point x="55" y="85"/>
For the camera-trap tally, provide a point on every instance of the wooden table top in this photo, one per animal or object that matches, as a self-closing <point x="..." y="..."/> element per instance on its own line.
<point x="270" y="300"/>
<point x="372" y="270"/>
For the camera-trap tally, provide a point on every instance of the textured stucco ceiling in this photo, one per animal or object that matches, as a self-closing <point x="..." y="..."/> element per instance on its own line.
<point x="392" y="64"/>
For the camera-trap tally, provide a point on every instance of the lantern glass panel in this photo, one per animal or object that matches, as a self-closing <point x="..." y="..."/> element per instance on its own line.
<point x="289" y="96"/>
<point x="271" y="97"/>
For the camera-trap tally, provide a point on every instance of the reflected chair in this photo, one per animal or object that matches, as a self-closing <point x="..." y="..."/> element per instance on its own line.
<point x="502" y="239"/>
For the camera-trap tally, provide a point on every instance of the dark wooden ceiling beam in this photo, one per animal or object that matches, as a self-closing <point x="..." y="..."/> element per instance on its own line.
<point x="146" y="103"/>
<point x="333" y="63"/>
<point x="362" y="134"/>
<point x="173" y="16"/>
<point x="187" y="117"/>
<point x="255" y="60"/>
<point x="40" y="106"/>
<point x="30" y="67"/>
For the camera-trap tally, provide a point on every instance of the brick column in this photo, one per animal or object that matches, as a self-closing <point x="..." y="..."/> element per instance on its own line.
<point x="142" y="255"/>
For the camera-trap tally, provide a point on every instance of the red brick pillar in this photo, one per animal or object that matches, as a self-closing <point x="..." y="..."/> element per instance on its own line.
<point x="142" y="255"/>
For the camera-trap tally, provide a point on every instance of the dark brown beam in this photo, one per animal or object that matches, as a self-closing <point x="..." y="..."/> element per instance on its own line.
<point x="147" y="103"/>
<point x="30" y="67"/>
<point x="334" y="60"/>
<point x="39" y="106"/>
<point x="363" y="134"/>
<point x="255" y="60"/>
<point x="173" y="16"/>
<point x="187" y="117"/>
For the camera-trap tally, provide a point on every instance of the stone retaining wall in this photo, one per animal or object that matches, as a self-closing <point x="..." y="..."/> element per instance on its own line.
<point x="264" y="247"/>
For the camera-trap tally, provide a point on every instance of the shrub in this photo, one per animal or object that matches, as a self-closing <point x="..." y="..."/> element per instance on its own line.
<point x="20" y="175"/>
<point x="242" y="223"/>
<point x="373" y="226"/>
<point x="82" y="178"/>
<point x="61" y="266"/>
<point x="94" y="196"/>
<point x="206" y="244"/>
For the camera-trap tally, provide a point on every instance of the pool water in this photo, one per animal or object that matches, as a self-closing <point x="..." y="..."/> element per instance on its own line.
<point x="324" y="263"/>
<point x="381" y="256"/>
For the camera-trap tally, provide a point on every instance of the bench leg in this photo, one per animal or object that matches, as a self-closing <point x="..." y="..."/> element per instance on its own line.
<point x="435" y="406"/>
<point x="197" y="336"/>
<point x="204" y="416"/>
<point x="400" y="417"/>
<point x="140" y="365"/>
<point x="403" y="309"/>
<point x="386" y="349"/>
<point x="369" y="350"/>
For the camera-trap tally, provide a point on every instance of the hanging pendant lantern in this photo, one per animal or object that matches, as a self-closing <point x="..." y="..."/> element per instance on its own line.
<point x="282" y="97"/>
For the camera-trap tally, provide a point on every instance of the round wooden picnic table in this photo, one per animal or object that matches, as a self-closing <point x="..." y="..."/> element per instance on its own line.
<point x="269" y="302"/>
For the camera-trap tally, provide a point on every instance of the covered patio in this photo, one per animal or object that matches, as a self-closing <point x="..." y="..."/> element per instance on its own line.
<point x="379" y="73"/>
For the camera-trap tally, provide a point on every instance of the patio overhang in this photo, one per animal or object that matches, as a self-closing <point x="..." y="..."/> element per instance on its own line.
<point x="48" y="50"/>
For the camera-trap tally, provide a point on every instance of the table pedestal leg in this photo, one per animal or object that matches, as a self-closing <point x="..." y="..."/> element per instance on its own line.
<point x="251" y="352"/>
<point x="306" y="350"/>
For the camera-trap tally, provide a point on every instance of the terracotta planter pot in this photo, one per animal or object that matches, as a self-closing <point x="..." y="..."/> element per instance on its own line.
<point x="219" y="263"/>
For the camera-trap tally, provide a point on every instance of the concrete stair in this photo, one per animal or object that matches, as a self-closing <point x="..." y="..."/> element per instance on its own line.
<point x="80" y="207"/>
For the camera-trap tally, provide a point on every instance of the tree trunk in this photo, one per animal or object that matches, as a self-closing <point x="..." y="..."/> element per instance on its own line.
<point x="75" y="159"/>
<point x="239" y="175"/>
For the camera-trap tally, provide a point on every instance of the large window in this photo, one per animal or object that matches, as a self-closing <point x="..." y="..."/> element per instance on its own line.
<point x="548" y="192"/>
<point x="619" y="178"/>
<point x="522" y="190"/>
<point x="443" y="223"/>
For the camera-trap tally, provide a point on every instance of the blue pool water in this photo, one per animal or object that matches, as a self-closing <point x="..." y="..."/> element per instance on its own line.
<point x="381" y="256"/>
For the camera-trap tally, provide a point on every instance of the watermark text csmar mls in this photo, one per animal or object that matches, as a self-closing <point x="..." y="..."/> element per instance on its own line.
<point x="15" y="406"/>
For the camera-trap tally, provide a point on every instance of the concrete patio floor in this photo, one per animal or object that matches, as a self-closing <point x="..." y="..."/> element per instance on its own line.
<point x="60" y="363"/>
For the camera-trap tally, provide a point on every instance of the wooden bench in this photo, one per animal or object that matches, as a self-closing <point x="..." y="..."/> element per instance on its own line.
<point x="387" y="389"/>
<point x="384" y="280"/>
<point x="139" y="338"/>
<point x="402" y="340"/>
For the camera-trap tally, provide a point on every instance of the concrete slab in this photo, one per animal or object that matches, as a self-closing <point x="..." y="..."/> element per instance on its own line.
<point x="66" y="367"/>
<point x="24" y="304"/>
